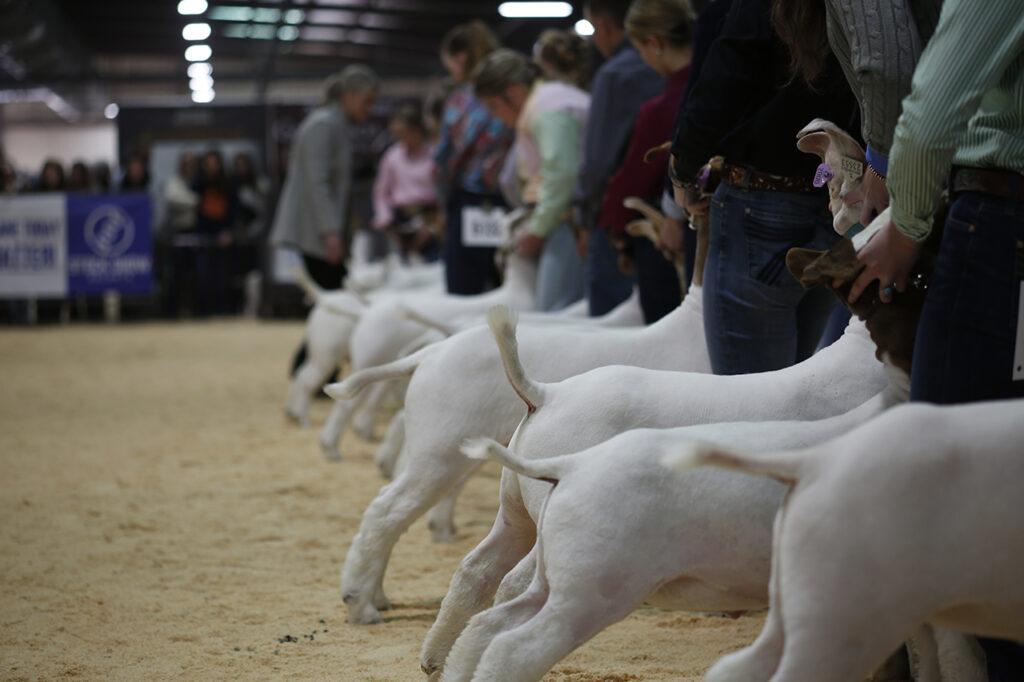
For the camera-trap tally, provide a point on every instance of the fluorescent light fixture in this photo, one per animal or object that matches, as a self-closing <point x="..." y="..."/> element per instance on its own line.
<point x="195" y="31"/>
<point x="331" y="17"/>
<point x="203" y="96"/>
<point x="230" y="13"/>
<point x="201" y="83"/>
<point x="584" y="28"/>
<point x="198" y="53"/>
<point x="524" y="10"/>
<point x="236" y="31"/>
<point x="266" y="15"/>
<point x="261" y="32"/>
<point x="111" y="111"/>
<point x="288" y="33"/>
<point x="199" y="69"/>
<point x="323" y="34"/>
<point x="294" y="16"/>
<point x="191" y="6"/>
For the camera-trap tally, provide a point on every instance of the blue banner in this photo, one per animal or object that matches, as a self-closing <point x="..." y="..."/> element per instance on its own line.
<point x="110" y="244"/>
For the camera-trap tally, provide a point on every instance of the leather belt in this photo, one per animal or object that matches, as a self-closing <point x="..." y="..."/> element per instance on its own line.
<point x="1001" y="183"/>
<point x="744" y="176"/>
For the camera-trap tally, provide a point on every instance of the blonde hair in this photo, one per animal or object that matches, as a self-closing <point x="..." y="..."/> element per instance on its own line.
<point x="502" y="68"/>
<point x="668" y="19"/>
<point x="473" y="39"/>
<point x="562" y="55"/>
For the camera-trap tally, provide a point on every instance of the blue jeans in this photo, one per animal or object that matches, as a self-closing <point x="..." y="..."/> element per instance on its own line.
<point x="606" y="285"/>
<point x="560" y="280"/>
<point x="656" y="280"/>
<point x="965" y="340"/>
<point x="757" y="317"/>
<point x="467" y="269"/>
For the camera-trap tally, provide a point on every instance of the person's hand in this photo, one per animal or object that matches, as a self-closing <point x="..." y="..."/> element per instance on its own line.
<point x="876" y="197"/>
<point x="670" y="237"/>
<point x="887" y="258"/>
<point x="695" y="202"/>
<point x="529" y="244"/>
<point x="333" y="248"/>
<point x="582" y="243"/>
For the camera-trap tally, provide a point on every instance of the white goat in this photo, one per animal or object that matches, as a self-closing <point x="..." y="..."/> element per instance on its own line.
<point x="590" y="408"/>
<point x="910" y="518"/>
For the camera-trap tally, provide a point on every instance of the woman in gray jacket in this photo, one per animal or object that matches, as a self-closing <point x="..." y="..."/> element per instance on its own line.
<point x="312" y="212"/>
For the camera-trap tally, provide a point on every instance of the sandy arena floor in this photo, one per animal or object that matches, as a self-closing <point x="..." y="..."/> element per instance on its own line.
<point x="162" y="520"/>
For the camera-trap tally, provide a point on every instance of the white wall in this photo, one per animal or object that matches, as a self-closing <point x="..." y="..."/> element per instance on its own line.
<point x="27" y="146"/>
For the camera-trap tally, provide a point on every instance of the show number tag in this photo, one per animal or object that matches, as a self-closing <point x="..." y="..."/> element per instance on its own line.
<point x="1018" y="356"/>
<point x="481" y="227"/>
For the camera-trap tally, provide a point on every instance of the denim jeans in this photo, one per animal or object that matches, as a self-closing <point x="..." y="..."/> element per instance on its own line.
<point x="467" y="269"/>
<point x="757" y="316"/>
<point x="560" y="280"/>
<point x="965" y="340"/>
<point x="606" y="285"/>
<point x="656" y="280"/>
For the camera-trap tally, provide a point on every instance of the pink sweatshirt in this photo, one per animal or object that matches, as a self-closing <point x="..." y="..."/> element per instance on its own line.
<point x="402" y="180"/>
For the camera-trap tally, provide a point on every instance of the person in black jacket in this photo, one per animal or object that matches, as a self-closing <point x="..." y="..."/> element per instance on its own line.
<point x="746" y="107"/>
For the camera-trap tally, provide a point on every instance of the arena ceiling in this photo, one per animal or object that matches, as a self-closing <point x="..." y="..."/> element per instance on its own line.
<point x="79" y="55"/>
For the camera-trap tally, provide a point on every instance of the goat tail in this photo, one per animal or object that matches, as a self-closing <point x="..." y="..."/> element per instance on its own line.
<point x="303" y="279"/>
<point x="502" y="322"/>
<point x="786" y="466"/>
<point x="347" y="389"/>
<point x="407" y="313"/>
<point x="549" y="469"/>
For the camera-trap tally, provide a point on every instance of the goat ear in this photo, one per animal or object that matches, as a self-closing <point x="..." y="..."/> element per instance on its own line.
<point x="814" y="143"/>
<point x="799" y="261"/>
<point x="651" y="154"/>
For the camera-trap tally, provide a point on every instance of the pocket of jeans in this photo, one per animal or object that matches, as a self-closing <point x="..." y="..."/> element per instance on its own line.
<point x="770" y="234"/>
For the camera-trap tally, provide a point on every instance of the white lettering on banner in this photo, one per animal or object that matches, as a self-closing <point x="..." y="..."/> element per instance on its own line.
<point x="33" y="246"/>
<point x="480" y="227"/>
<point x="1018" y="356"/>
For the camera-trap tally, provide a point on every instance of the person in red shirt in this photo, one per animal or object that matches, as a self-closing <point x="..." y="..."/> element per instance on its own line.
<point x="662" y="31"/>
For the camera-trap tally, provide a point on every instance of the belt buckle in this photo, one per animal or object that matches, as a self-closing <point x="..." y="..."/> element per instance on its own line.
<point x="739" y="176"/>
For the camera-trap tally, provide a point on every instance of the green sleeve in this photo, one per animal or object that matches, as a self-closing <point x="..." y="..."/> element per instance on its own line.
<point x="558" y="136"/>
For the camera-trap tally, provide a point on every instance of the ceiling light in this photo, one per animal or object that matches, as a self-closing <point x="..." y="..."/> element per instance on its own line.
<point x="261" y="32"/>
<point x="236" y="31"/>
<point x="294" y="16"/>
<point x="195" y="31"/>
<point x="584" y="28"/>
<point x="266" y="15"/>
<point x="201" y="83"/>
<point x="221" y="13"/>
<point x="203" y="96"/>
<point x="198" y="53"/>
<point x="191" y="6"/>
<point x="199" y="69"/>
<point x="288" y="33"/>
<point x="111" y="111"/>
<point x="521" y="10"/>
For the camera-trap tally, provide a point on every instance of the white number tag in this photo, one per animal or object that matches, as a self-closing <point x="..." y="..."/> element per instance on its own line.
<point x="1018" y="356"/>
<point x="480" y="227"/>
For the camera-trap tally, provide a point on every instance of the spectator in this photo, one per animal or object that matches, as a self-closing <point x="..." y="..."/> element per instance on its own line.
<point x="252" y="189"/>
<point x="313" y="210"/>
<point x="216" y="223"/>
<point x="80" y="179"/>
<point x="746" y="107"/>
<point x="622" y="84"/>
<point x="51" y="177"/>
<point x="101" y="176"/>
<point x="180" y="199"/>
<point x="549" y="118"/>
<point x="662" y="32"/>
<point x="470" y="153"/>
<point x="136" y="175"/>
<point x="405" y="201"/>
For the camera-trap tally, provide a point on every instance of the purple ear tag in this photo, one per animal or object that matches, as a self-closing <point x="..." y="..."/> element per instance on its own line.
<point x="702" y="179"/>
<point x="823" y="175"/>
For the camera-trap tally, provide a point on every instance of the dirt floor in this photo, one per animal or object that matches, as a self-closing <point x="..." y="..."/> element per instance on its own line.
<point x="161" y="520"/>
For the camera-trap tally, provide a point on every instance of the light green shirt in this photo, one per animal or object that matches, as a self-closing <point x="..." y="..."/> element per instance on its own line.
<point x="558" y="135"/>
<point x="966" y="107"/>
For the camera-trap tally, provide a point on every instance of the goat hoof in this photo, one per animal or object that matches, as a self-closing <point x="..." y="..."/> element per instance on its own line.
<point x="364" y="432"/>
<point x="331" y="453"/>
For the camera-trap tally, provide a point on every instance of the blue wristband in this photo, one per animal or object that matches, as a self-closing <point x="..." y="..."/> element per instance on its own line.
<point x="877" y="161"/>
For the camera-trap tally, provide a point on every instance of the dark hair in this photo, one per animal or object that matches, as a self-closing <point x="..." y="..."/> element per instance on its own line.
<point x="669" y="19"/>
<point x="614" y="9"/>
<point x="52" y="163"/>
<point x="564" y="52"/>
<point x="502" y="68"/>
<point x="411" y="116"/>
<point x="802" y="26"/>
<point x="473" y="39"/>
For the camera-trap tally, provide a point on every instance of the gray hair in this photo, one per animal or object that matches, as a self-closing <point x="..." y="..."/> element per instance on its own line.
<point x="353" y="78"/>
<point x="502" y="68"/>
